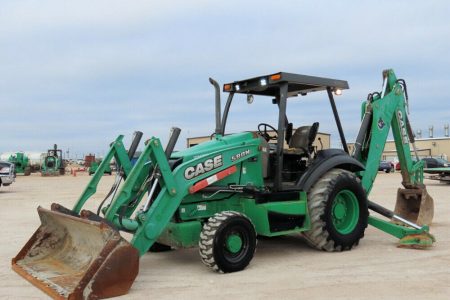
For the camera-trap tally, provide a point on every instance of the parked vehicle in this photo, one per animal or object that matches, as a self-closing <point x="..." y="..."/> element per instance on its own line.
<point x="385" y="166"/>
<point x="431" y="162"/>
<point x="94" y="166"/>
<point x="21" y="163"/>
<point x="7" y="175"/>
<point x="398" y="165"/>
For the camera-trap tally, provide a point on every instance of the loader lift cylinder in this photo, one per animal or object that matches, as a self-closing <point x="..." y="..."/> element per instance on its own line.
<point x="367" y="119"/>
<point x="137" y="136"/>
<point x="175" y="133"/>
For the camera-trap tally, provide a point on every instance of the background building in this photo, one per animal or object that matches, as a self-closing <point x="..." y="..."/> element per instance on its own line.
<point x="426" y="147"/>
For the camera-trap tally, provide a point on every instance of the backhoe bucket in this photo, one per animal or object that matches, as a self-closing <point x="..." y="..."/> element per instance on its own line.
<point x="69" y="257"/>
<point x="415" y="205"/>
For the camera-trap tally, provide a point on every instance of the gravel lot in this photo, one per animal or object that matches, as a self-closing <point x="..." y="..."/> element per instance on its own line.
<point x="283" y="268"/>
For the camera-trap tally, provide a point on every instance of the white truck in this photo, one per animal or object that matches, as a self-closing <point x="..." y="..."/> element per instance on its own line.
<point x="7" y="175"/>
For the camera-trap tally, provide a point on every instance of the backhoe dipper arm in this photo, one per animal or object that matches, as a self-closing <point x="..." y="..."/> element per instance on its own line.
<point x="380" y="113"/>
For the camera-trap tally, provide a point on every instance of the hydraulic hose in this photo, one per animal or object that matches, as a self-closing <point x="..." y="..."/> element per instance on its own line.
<point x="175" y="133"/>
<point x="137" y="136"/>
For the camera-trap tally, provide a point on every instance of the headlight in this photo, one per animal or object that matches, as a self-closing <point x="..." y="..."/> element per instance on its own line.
<point x="5" y="170"/>
<point x="337" y="92"/>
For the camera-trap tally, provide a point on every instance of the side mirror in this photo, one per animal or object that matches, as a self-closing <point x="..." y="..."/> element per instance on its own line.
<point x="250" y="99"/>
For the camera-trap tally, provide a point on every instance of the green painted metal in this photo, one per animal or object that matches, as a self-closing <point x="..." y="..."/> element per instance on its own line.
<point x="234" y="243"/>
<point x="389" y="112"/>
<point x="436" y="170"/>
<point x="94" y="167"/>
<point x="181" y="235"/>
<point x="21" y="163"/>
<point x="258" y="213"/>
<point x="398" y="231"/>
<point x="345" y="211"/>
<point x="117" y="151"/>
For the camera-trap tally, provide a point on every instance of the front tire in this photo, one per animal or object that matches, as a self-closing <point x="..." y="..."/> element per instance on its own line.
<point x="227" y="242"/>
<point x="338" y="211"/>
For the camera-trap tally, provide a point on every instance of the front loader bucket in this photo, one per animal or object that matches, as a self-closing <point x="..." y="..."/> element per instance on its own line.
<point x="415" y="205"/>
<point x="69" y="257"/>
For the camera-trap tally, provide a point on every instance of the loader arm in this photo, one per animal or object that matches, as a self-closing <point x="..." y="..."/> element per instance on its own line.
<point x="117" y="151"/>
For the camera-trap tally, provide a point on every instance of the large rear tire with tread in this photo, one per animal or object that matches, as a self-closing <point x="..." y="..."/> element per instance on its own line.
<point x="227" y="242"/>
<point x="337" y="205"/>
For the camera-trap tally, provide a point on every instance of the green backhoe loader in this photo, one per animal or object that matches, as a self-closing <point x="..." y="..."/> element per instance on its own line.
<point x="53" y="164"/>
<point x="221" y="194"/>
<point x="21" y="163"/>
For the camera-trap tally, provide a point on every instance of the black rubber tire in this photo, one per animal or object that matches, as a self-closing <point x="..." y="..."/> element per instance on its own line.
<point x="27" y="171"/>
<point x="388" y="171"/>
<point x="213" y="251"/>
<point x="323" y="234"/>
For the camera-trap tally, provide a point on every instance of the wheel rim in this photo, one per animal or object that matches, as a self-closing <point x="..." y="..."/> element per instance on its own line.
<point x="345" y="212"/>
<point x="234" y="243"/>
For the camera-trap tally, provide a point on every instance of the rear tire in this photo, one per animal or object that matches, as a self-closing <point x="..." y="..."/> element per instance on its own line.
<point x="338" y="211"/>
<point x="27" y="171"/>
<point x="227" y="242"/>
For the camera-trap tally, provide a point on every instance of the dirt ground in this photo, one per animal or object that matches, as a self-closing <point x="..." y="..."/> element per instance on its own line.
<point x="283" y="268"/>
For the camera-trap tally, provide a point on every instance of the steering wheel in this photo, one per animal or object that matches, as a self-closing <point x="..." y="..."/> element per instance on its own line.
<point x="262" y="130"/>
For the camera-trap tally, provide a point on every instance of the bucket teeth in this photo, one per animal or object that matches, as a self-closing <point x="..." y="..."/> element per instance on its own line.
<point x="417" y="241"/>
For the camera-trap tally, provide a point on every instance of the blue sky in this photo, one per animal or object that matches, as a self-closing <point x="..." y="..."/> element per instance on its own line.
<point x="79" y="73"/>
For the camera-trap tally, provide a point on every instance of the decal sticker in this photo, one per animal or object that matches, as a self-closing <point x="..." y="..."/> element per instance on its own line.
<point x="201" y="207"/>
<point x="203" y="167"/>
<point x="402" y="126"/>
<point x="240" y="155"/>
<point x="381" y="123"/>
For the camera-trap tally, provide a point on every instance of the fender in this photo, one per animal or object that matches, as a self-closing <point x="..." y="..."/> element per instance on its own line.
<point x="325" y="161"/>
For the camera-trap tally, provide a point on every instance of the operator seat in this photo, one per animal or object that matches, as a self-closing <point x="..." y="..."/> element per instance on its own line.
<point x="265" y="152"/>
<point x="303" y="137"/>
